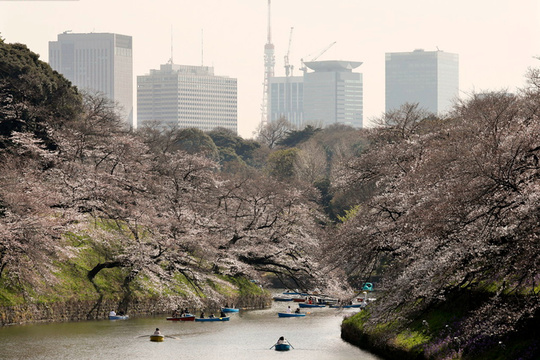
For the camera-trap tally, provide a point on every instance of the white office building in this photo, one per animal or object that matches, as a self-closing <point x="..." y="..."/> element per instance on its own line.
<point x="329" y="94"/>
<point x="98" y="62"/>
<point x="187" y="96"/>
<point x="429" y="78"/>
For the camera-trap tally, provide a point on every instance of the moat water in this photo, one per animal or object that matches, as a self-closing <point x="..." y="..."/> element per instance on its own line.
<point x="248" y="335"/>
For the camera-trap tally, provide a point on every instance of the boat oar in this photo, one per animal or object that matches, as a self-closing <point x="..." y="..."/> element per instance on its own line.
<point x="272" y="347"/>
<point x="291" y="345"/>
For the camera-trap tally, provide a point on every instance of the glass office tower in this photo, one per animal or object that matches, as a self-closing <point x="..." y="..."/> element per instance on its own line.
<point x="287" y="99"/>
<point x="430" y="78"/>
<point x="99" y="62"/>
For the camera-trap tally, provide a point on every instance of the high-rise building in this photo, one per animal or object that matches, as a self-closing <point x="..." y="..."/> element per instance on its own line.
<point x="287" y="99"/>
<point x="429" y="78"/>
<point x="99" y="62"/>
<point x="187" y="96"/>
<point x="333" y="93"/>
<point x="330" y="94"/>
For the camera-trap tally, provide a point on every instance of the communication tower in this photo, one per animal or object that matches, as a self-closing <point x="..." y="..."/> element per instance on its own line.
<point x="269" y="62"/>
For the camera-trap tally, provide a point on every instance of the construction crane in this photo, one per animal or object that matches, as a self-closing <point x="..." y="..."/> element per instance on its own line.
<point x="288" y="66"/>
<point x="304" y="68"/>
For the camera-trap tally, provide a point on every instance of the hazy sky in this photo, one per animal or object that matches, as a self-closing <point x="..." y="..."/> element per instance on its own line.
<point x="495" y="39"/>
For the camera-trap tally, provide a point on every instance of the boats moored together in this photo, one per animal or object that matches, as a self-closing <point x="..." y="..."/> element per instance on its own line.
<point x="316" y="300"/>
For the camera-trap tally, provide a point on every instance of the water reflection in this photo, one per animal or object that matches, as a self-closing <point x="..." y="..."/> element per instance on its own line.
<point x="248" y="335"/>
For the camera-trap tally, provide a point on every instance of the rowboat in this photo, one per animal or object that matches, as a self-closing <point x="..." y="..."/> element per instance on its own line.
<point x="304" y="305"/>
<point x="229" y="310"/>
<point x="299" y="299"/>
<point x="118" y="317"/>
<point x="282" y="347"/>
<point x="295" y="293"/>
<point x="157" y="338"/>
<point x="226" y="318"/>
<point x="291" y="314"/>
<point x="291" y="293"/>
<point x="282" y="298"/>
<point x="186" y="317"/>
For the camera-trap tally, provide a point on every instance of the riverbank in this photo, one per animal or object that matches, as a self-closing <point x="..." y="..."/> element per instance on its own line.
<point x="92" y="310"/>
<point x="75" y="290"/>
<point x="438" y="332"/>
<point x="74" y="297"/>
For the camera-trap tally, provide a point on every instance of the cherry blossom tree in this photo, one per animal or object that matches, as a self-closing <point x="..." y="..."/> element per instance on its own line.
<point x="455" y="206"/>
<point x="269" y="226"/>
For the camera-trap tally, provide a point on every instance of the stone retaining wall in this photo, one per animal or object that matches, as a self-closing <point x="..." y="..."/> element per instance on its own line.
<point x="99" y="309"/>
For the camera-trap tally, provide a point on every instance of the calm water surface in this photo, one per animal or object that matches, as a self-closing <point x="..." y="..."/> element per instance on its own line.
<point x="248" y="335"/>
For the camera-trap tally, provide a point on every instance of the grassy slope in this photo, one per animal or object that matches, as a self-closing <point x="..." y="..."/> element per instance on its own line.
<point x="68" y="281"/>
<point x="428" y="335"/>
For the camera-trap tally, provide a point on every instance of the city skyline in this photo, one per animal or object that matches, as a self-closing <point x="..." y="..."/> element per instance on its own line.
<point x="496" y="42"/>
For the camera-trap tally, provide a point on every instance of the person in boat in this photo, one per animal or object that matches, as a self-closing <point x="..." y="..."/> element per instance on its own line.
<point x="222" y="314"/>
<point x="202" y="314"/>
<point x="212" y="316"/>
<point x="297" y="311"/>
<point x="157" y="332"/>
<point x="289" y="310"/>
<point x="112" y="313"/>
<point x="175" y="313"/>
<point x="281" y="341"/>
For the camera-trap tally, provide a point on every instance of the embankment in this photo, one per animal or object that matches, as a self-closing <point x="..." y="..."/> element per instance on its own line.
<point x="99" y="309"/>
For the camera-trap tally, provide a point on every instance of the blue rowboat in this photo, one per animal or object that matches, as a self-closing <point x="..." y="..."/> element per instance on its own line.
<point x="185" y="317"/>
<point x="226" y="318"/>
<point x="282" y="347"/>
<point x="291" y="314"/>
<point x="304" y="305"/>
<point x="118" y="317"/>
<point x="229" y="310"/>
